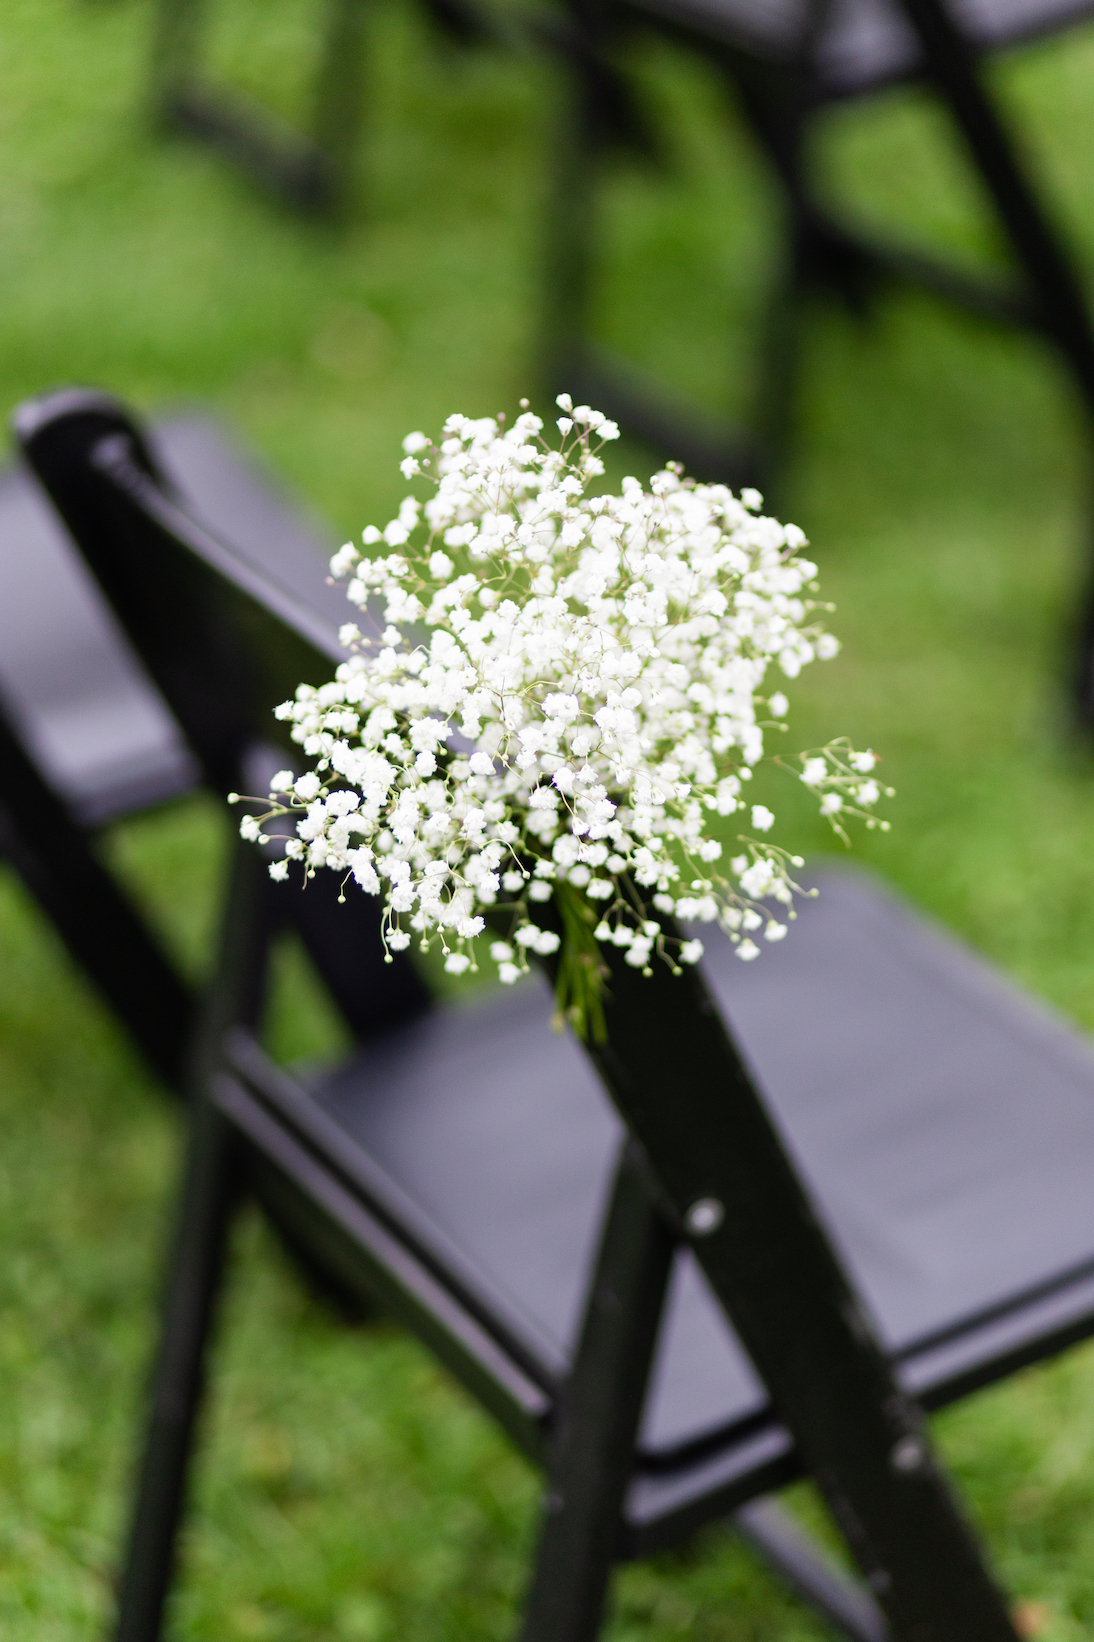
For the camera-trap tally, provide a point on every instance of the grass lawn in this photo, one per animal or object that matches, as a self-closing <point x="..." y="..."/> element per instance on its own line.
<point x="346" y="1488"/>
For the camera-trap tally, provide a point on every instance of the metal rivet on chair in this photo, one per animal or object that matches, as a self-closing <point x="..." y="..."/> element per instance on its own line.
<point x="908" y="1454"/>
<point x="704" y="1216"/>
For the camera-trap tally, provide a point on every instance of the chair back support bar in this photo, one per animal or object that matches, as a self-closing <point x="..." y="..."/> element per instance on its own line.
<point x="224" y="641"/>
<point x="224" y="649"/>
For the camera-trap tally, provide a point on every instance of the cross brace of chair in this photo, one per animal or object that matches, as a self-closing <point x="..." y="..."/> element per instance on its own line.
<point x="690" y="1105"/>
<point x="592" y="1451"/>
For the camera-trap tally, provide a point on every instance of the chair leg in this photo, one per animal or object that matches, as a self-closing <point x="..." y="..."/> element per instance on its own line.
<point x="596" y="115"/>
<point x="210" y="1191"/>
<point x="775" y="106"/>
<point x="294" y="169"/>
<point x="711" y="449"/>
<point x="594" y="1447"/>
<point x="593" y="1454"/>
<point x="818" y="261"/>
<point x="211" y="1187"/>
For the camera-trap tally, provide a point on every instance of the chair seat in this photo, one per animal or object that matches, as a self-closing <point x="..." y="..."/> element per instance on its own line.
<point x="91" y="718"/>
<point x="865" y="43"/>
<point x="952" y="1162"/>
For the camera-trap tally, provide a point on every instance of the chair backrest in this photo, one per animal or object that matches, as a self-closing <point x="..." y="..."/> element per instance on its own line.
<point x="224" y="648"/>
<point x="225" y="642"/>
<point x="224" y="638"/>
<point x="69" y="684"/>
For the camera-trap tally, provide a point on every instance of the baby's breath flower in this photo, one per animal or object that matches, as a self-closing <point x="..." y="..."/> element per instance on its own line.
<point x="567" y="692"/>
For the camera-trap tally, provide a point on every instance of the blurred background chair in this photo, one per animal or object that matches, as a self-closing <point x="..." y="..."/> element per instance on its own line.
<point x="786" y="63"/>
<point x="458" y="1168"/>
<point x="312" y="173"/>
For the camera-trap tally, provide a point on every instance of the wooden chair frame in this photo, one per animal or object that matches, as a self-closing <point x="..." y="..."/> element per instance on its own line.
<point x="703" y="1164"/>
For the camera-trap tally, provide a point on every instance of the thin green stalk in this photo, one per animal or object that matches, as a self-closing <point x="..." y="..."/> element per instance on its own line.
<point x="579" y="980"/>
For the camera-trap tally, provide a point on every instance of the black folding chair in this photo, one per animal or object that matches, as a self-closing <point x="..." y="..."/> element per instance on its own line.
<point x="785" y="1208"/>
<point x="312" y="173"/>
<point x="785" y="62"/>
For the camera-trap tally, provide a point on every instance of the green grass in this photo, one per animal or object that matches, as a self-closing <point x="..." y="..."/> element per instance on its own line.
<point x="346" y="1488"/>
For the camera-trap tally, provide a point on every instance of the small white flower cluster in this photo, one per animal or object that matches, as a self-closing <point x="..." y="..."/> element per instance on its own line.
<point x="566" y="692"/>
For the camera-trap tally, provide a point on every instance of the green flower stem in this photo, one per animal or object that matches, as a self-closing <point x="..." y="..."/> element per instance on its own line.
<point x="581" y="970"/>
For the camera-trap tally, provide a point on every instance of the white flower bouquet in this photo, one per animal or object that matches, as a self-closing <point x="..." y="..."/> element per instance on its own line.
<point x="566" y="704"/>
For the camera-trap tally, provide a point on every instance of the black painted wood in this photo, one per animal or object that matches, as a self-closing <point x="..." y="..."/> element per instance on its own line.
<point x="688" y="1099"/>
<point x="213" y="1181"/>
<point x="221" y="648"/>
<point x="599" y="1410"/>
<point x="460" y="1165"/>
<point x="89" y="736"/>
